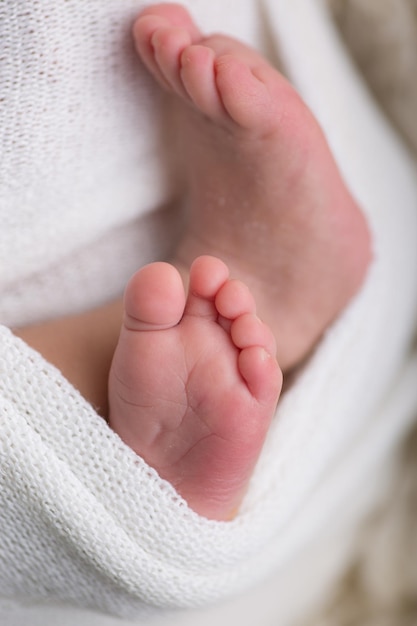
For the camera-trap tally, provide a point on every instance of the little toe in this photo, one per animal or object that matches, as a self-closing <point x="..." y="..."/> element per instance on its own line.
<point x="144" y="29"/>
<point x="262" y="374"/>
<point x="174" y="14"/>
<point x="154" y="298"/>
<point x="162" y="17"/>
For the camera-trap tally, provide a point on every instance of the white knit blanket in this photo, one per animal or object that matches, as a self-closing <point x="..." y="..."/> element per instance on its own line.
<point x="83" y="520"/>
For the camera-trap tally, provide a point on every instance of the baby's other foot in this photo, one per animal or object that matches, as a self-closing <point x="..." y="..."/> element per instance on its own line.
<point x="264" y="191"/>
<point x="194" y="382"/>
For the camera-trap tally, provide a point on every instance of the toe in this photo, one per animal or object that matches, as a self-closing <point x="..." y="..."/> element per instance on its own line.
<point x="154" y="298"/>
<point x="199" y="80"/>
<point x="168" y="44"/>
<point x="234" y="299"/>
<point x="207" y="275"/>
<point x="245" y="82"/>
<point x="161" y="18"/>
<point x="143" y="31"/>
<point x="262" y="375"/>
<point x="174" y="14"/>
<point x="248" y="330"/>
<point x="244" y="92"/>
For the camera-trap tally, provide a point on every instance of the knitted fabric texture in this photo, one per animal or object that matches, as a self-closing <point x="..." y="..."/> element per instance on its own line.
<point x="83" y="520"/>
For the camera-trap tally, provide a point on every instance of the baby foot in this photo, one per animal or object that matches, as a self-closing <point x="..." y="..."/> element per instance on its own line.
<point x="194" y="381"/>
<point x="265" y="193"/>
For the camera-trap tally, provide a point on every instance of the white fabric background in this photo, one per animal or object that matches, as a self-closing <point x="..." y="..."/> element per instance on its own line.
<point x="83" y="521"/>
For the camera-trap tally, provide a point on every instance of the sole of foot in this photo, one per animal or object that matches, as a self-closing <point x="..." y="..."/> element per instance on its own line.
<point x="194" y="381"/>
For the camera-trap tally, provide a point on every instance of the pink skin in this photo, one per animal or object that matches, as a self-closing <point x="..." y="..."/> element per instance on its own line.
<point x="261" y="179"/>
<point x="194" y="381"/>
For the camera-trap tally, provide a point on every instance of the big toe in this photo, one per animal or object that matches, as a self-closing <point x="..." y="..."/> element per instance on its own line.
<point x="154" y="298"/>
